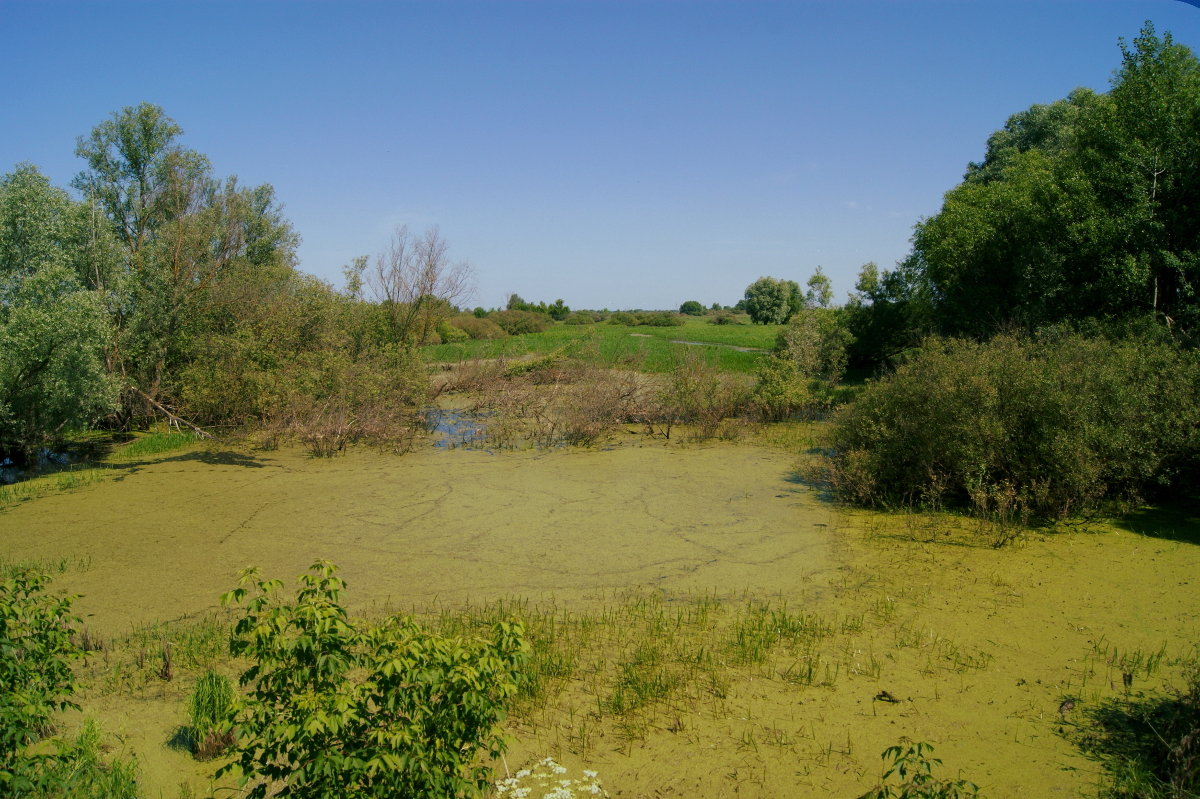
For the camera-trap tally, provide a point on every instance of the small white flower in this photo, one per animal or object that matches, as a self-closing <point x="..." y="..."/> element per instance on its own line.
<point x="591" y="775"/>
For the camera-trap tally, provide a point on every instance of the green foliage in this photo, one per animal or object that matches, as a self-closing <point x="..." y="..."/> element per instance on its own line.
<point x="772" y="302"/>
<point x="155" y="443"/>
<point x="1044" y="427"/>
<point x="885" y="315"/>
<point x="910" y="776"/>
<point x="36" y="651"/>
<point x="55" y="330"/>
<point x="78" y="771"/>
<point x="334" y="710"/>
<point x="211" y="715"/>
<point x="802" y="375"/>
<point x="477" y="328"/>
<point x="1081" y="208"/>
<point x="556" y="311"/>
<point x="692" y="308"/>
<point x="518" y="322"/>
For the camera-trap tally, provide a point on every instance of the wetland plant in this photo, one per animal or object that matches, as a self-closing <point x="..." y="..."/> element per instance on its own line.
<point x="333" y="709"/>
<point x="211" y="715"/>
<point x="909" y="775"/>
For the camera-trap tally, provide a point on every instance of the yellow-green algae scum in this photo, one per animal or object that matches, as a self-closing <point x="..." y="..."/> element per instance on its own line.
<point x="980" y="645"/>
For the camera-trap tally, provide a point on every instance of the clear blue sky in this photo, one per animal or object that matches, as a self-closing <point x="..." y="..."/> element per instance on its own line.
<point x="614" y="154"/>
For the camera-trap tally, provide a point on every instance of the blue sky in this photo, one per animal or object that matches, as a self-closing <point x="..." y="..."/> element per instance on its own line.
<point x="612" y="153"/>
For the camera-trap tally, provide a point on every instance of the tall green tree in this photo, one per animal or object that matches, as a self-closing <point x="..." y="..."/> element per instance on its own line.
<point x="1080" y="208"/>
<point x="54" y="329"/>
<point x="195" y="247"/>
<point x="772" y="302"/>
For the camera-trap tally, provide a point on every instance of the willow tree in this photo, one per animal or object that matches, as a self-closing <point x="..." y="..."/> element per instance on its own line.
<point x="54" y="328"/>
<point x="186" y="237"/>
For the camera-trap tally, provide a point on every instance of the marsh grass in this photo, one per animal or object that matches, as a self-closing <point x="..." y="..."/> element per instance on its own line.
<point x="72" y="477"/>
<point x="153" y="443"/>
<point x="80" y="771"/>
<point x="1148" y="742"/>
<point x="211" y="715"/>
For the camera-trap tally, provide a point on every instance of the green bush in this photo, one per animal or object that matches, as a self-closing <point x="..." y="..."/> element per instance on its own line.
<point x="36" y="651"/>
<point x="659" y="319"/>
<point x="333" y="710"/>
<point x="622" y="318"/>
<point x="516" y="323"/>
<point x="478" y="328"/>
<point x="1043" y="427"/>
<point x="450" y="333"/>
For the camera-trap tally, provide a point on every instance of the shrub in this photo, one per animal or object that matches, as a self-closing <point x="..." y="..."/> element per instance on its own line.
<point x="696" y="393"/>
<point x="450" y="333"/>
<point x="333" y="710"/>
<point x="910" y="776"/>
<point x="516" y="323"/>
<point x="692" y="308"/>
<point x="582" y="318"/>
<point x="36" y="681"/>
<point x="622" y="318"/>
<point x="1049" y="426"/>
<point x="724" y="318"/>
<point x="659" y="319"/>
<point x="478" y="328"/>
<point x="801" y="376"/>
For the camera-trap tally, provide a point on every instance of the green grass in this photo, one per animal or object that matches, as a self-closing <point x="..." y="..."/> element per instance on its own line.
<point x="154" y="443"/>
<point x="645" y="349"/>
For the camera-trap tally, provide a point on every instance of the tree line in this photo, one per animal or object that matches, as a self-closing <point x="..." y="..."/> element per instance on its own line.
<point x="163" y="290"/>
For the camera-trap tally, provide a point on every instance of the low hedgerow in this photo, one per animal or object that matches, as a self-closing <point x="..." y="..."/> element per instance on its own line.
<point x="1042" y="427"/>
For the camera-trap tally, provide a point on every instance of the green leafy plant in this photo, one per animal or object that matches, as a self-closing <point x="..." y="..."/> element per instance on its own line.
<point x="36" y="651"/>
<point x="333" y="710"/>
<point x="211" y="715"/>
<point x="910" y="776"/>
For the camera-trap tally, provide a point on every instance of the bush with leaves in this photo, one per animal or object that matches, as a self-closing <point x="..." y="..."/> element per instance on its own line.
<point x="801" y="375"/>
<point x="36" y="651"/>
<point x="334" y="710"/>
<point x="516" y="323"/>
<point x="910" y="776"/>
<point x="1050" y="426"/>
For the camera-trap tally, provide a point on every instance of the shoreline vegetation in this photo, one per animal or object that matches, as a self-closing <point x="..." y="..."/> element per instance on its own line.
<point x="952" y="521"/>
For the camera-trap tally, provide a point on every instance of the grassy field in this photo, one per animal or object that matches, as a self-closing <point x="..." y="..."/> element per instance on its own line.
<point x="648" y="349"/>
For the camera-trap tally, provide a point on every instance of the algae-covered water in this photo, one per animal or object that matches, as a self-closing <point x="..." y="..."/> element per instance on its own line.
<point x="979" y="645"/>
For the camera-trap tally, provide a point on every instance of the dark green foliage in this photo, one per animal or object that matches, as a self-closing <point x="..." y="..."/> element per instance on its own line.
<point x="692" y="308"/>
<point x="885" y="316"/>
<point x="54" y="329"/>
<point x="36" y="681"/>
<point x="1085" y="207"/>
<point x="910" y="776"/>
<point x="1044" y="427"/>
<point x="335" y="710"/>
<point x="556" y="311"/>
